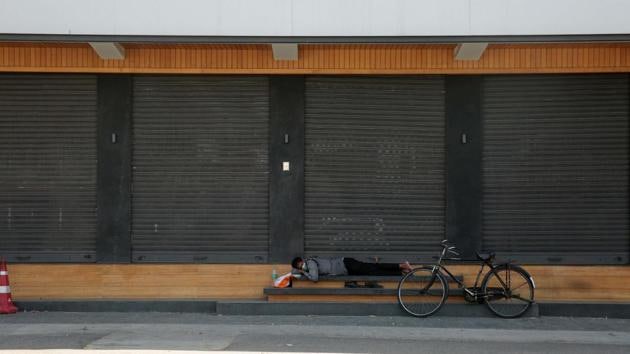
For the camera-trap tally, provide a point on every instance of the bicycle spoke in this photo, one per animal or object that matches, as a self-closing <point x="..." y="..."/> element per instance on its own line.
<point x="520" y="286"/>
<point x="422" y="292"/>
<point x="503" y="298"/>
<point x="522" y="299"/>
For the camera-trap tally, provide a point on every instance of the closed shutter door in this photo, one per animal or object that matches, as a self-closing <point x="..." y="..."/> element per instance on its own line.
<point x="374" y="171"/>
<point x="555" y="168"/>
<point x="200" y="171"/>
<point x="48" y="168"/>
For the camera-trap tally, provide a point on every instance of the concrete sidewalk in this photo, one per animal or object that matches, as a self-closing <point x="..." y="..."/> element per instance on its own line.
<point x="92" y="332"/>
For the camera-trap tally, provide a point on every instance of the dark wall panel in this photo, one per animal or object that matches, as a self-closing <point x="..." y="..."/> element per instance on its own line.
<point x="555" y="168"/>
<point x="464" y="140"/>
<point x="286" y="188"/>
<point x="48" y="167"/>
<point x="375" y="160"/>
<point x="200" y="169"/>
<point x="113" y="243"/>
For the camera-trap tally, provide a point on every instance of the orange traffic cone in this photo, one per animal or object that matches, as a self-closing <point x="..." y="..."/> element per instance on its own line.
<point x="6" y="305"/>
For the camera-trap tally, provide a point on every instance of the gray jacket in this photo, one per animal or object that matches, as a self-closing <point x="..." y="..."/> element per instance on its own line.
<point x="324" y="266"/>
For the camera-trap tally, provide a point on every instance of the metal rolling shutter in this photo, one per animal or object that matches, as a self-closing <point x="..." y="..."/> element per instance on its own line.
<point x="375" y="149"/>
<point x="48" y="167"/>
<point x="200" y="169"/>
<point x="555" y="168"/>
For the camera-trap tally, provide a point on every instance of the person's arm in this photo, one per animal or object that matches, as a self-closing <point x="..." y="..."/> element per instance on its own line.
<point x="312" y="273"/>
<point x="297" y="274"/>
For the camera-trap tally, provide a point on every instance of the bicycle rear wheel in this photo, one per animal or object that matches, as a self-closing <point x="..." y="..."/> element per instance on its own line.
<point x="509" y="290"/>
<point x="422" y="291"/>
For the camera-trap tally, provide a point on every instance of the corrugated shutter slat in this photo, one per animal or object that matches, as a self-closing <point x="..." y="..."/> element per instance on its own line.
<point x="374" y="170"/>
<point x="556" y="167"/>
<point x="200" y="169"/>
<point x="48" y="167"/>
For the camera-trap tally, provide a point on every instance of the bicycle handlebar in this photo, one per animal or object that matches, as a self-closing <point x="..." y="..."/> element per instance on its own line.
<point x="449" y="248"/>
<point x="452" y="250"/>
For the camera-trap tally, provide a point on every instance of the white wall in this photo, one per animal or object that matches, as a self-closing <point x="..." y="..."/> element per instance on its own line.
<point x="315" y="17"/>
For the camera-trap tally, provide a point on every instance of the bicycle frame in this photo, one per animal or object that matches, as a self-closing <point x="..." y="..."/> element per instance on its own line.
<point x="443" y="269"/>
<point x="495" y="288"/>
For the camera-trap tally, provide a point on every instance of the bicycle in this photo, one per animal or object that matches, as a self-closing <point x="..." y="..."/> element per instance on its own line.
<point x="507" y="289"/>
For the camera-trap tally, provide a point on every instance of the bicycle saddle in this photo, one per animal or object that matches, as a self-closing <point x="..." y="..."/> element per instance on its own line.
<point x="485" y="256"/>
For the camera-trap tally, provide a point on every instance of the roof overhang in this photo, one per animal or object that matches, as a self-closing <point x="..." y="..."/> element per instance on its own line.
<point x="82" y="38"/>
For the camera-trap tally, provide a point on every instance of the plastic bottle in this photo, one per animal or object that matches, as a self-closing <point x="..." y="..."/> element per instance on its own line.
<point x="274" y="274"/>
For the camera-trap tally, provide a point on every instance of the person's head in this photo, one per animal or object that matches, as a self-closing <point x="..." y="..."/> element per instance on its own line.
<point x="297" y="263"/>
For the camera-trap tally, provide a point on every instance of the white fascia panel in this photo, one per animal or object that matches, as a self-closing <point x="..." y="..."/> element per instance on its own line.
<point x="562" y="17"/>
<point x="288" y="18"/>
<point x="380" y="17"/>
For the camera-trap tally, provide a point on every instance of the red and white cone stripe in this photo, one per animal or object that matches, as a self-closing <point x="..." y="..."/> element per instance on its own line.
<point x="6" y="304"/>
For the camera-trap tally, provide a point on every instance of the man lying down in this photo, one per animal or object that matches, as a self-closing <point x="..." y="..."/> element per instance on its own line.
<point x="312" y="268"/>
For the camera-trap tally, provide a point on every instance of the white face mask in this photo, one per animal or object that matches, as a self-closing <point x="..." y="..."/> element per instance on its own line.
<point x="304" y="267"/>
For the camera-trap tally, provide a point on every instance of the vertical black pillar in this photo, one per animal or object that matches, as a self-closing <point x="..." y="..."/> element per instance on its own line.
<point x="113" y="244"/>
<point x="286" y="187"/>
<point x="464" y="149"/>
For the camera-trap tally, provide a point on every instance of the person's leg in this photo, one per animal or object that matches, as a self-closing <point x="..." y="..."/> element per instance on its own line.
<point x="386" y="268"/>
<point x="355" y="267"/>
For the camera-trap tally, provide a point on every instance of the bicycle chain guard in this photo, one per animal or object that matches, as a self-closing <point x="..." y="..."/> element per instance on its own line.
<point x="473" y="299"/>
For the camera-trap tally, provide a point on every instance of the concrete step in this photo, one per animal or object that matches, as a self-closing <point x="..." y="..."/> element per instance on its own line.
<point x="376" y="278"/>
<point x="342" y="291"/>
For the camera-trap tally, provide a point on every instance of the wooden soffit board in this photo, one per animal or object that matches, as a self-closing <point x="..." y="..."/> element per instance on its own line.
<point x="316" y="59"/>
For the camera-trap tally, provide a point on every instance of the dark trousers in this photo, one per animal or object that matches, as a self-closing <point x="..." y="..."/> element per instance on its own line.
<point x="355" y="267"/>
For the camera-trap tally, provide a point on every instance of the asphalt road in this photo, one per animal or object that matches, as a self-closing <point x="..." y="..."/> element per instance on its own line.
<point x="117" y="333"/>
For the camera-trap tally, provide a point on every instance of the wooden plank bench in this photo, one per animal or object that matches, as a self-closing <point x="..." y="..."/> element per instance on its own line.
<point x="331" y="289"/>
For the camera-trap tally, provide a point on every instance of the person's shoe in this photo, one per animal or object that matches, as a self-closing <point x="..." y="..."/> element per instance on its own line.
<point x="351" y="284"/>
<point x="373" y="284"/>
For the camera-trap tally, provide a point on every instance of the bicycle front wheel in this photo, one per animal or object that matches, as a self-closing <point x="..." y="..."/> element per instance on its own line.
<point x="509" y="291"/>
<point x="422" y="291"/>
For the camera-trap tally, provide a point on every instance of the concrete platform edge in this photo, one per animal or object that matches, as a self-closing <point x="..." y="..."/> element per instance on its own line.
<point x="585" y="309"/>
<point x="252" y="307"/>
<point x="187" y="306"/>
<point x="348" y="309"/>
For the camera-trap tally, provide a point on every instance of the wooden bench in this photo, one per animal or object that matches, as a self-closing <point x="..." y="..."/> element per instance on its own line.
<point x="332" y="289"/>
